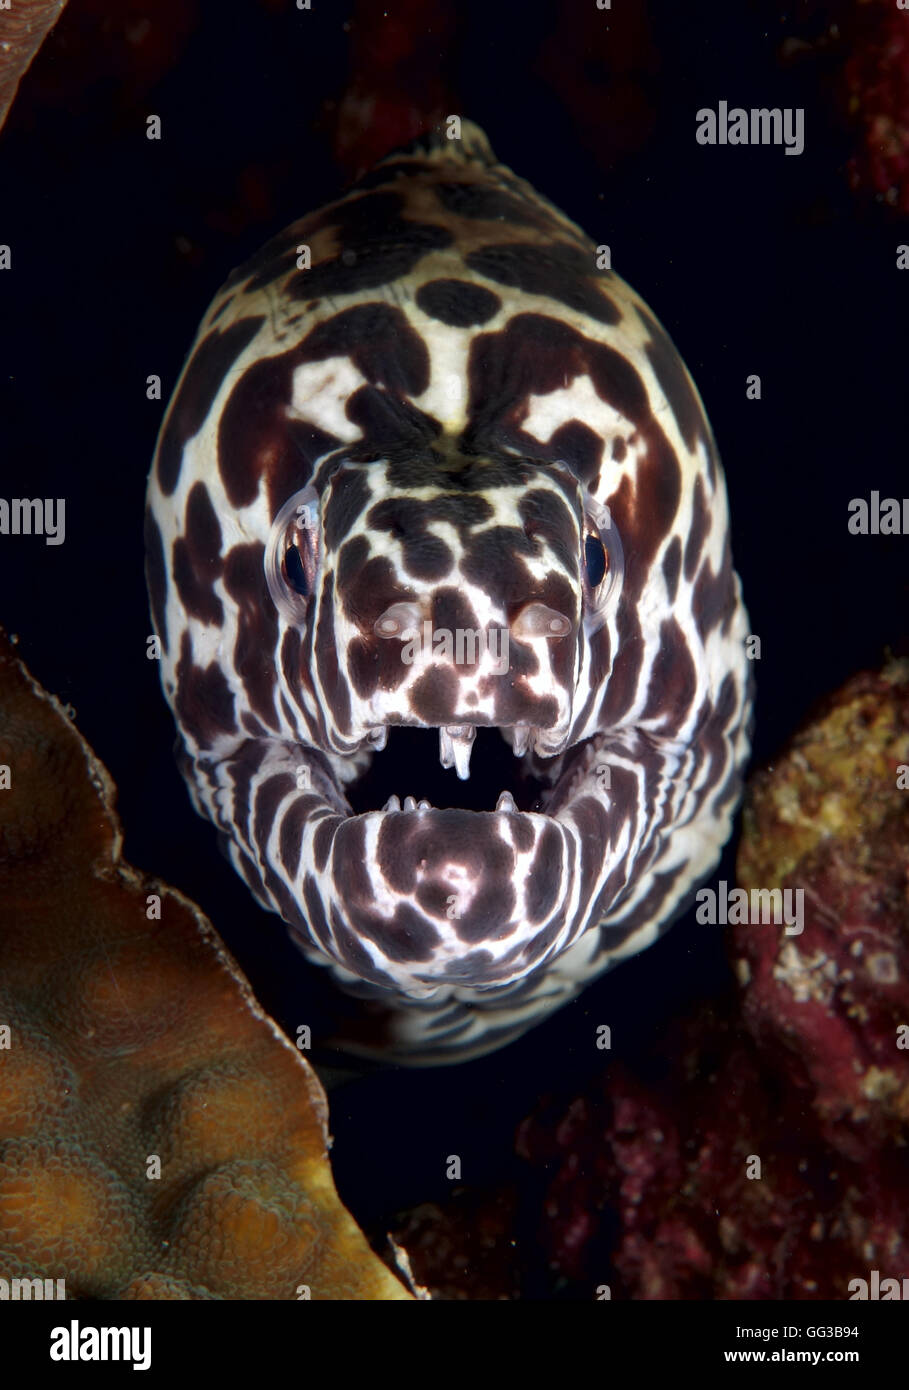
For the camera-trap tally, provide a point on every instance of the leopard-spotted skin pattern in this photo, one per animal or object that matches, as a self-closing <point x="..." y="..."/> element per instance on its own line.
<point x="457" y="392"/>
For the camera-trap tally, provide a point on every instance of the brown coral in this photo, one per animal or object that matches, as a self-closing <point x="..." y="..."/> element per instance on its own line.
<point x="24" y="28"/>
<point x="159" y="1137"/>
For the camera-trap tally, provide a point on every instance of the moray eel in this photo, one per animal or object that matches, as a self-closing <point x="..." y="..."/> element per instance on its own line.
<point x="435" y="481"/>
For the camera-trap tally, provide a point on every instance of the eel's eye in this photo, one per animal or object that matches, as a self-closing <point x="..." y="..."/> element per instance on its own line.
<point x="596" y="559"/>
<point x="604" y="565"/>
<point x="295" y="571"/>
<point x="292" y="554"/>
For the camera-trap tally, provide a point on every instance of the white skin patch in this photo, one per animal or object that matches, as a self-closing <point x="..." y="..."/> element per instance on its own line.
<point x="446" y="396"/>
<point x="320" y="394"/>
<point x="579" y="401"/>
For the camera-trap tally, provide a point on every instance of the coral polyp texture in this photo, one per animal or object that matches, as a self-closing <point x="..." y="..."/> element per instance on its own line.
<point x="831" y="819"/>
<point x="159" y="1137"/>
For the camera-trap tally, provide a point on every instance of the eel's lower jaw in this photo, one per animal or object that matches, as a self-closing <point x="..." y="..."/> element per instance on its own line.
<point x="505" y="803"/>
<point x="475" y="888"/>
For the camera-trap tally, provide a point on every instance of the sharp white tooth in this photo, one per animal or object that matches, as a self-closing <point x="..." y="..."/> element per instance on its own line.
<point x="506" y="802"/>
<point x="378" y="738"/>
<point x="392" y="804"/>
<point x="424" y="805"/>
<point x="455" y="744"/>
<point x="462" y="737"/>
<point x="409" y="803"/>
<point x="446" y="747"/>
<point x="521" y="743"/>
<point x="462" y="758"/>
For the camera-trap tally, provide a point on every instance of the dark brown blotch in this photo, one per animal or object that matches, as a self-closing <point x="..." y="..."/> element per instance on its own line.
<point x="315" y="912"/>
<point x="374" y="663"/>
<point x="350" y="951"/>
<point x="672" y="564"/>
<point x="269" y="796"/>
<point x="622" y="685"/>
<point x="366" y="587"/>
<point x="452" y="610"/>
<point x="434" y="695"/>
<point x="425" y="555"/>
<point x="379" y="341"/>
<point x="673" y="680"/>
<point x="257" y="628"/>
<point x="406" y="935"/>
<point x="389" y="425"/>
<point x="545" y="514"/>
<point x="544" y="882"/>
<point x="204" y="701"/>
<point x="699" y="531"/>
<point x="323" y="839"/>
<point x="257" y="439"/>
<point x="556" y="270"/>
<point x="493" y="560"/>
<point x="714" y="599"/>
<point x="535" y="355"/>
<point x="196" y="592"/>
<point x="348" y="495"/>
<point x="458" y="303"/>
<point x="325" y="655"/>
<point x="580" y="447"/>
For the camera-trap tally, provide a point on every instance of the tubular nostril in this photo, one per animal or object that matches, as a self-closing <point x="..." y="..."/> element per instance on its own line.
<point x="398" y="619"/>
<point x="537" y="620"/>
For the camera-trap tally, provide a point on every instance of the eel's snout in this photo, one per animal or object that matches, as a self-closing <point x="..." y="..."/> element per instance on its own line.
<point x="516" y="675"/>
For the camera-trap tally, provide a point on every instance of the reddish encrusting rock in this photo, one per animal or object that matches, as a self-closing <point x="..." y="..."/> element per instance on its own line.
<point x="712" y="1182"/>
<point x="831" y="821"/>
<point x="876" y="97"/>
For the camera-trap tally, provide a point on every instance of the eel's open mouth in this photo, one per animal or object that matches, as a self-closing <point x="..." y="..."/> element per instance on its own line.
<point x="408" y="766"/>
<point x="416" y="878"/>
